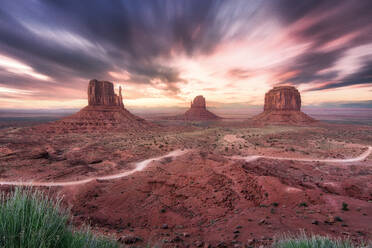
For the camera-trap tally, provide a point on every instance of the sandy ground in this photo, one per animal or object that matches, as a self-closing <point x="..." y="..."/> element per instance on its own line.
<point x="139" y="166"/>
<point x="227" y="184"/>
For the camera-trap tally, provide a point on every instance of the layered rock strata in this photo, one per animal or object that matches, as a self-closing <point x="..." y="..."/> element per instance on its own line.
<point x="283" y="105"/>
<point x="105" y="112"/>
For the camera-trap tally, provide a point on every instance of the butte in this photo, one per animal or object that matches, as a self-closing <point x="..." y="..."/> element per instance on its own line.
<point x="283" y="105"/>
<point x="105" y="112"/>
<point x="198" y="111"/>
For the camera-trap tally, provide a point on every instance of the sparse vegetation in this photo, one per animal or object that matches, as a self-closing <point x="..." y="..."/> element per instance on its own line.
<point x="31" y="219"/>
<point x="275" y="204"/>
<point x="311" y="241"/>
<point x="339" y="219"/>
<point x="345" y="206"/>
<point x="93" y="154"/>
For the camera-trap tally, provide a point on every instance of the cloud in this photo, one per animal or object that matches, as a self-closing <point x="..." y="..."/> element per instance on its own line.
<point x="63" y="44"/>
<point x="239" y="73"/>
<point x="309" y="67"/>
<point x="71" y="39"/>
<point x="361" y="77"/>
<point x="332" y="28"/>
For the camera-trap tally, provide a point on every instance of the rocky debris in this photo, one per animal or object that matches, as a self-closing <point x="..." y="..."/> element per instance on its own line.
<point x="198" y="110"/>
<point x="105" y="111"/>
<point x="129" y="239"/>
<point x="39" y="153"/>
<point x="283" y="105"/>
<point x="176" y="239"/>
<point x="198" y="243"/>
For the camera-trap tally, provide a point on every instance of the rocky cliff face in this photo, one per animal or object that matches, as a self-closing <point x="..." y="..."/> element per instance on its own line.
<point x="283" y="105"/>
<point x="102" y="93"/>
<point x="283" y="98"/>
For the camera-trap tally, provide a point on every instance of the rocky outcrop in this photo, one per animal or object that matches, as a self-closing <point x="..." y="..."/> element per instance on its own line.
<point x="102" y="93"/>
<point x="283" y="105"/>
<point x="283" y="98"/>
<point x="105" y="112"/>
<point x="199" y="102"/>
<point x="198" y="111"/>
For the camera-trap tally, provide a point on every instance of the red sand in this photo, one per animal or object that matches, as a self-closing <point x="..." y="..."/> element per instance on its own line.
<point x="206" y="198"/>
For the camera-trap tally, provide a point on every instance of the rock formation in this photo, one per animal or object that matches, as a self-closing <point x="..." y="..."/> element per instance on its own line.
<point x="198" y="111"/>
<point x="283" y="105"/>
<point x="102" y="93"/>
<point x="283" y="98"/>
<point x="105" y="111"/>
<point x="199" y="102"/>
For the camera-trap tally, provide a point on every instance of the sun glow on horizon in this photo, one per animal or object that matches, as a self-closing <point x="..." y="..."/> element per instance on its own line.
<point x="229" y="52"/>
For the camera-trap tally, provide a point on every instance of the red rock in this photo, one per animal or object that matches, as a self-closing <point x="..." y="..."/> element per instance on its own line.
<point x="198" y="111"/>
<point x="199" y="102"/>
<point x="283" y="105"/>
<point x="105" y="111"/>
<point x="283" y="98"/>
<point x="102" y="93"/>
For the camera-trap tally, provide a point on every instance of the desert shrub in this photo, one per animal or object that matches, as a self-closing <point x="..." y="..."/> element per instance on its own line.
<point x="311" y="241"/>
<point x="32" y="219"/>
<point x="345" y="206"/>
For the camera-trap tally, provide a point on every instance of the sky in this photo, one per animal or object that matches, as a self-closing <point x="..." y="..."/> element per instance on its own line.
<point x="164" y="53"/>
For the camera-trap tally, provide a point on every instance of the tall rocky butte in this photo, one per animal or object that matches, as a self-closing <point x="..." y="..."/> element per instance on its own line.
<point x="101" y="93"/>
<point x="198" y="111"/>
<point x="283" y="105"/>
<point x="105" y="112"/>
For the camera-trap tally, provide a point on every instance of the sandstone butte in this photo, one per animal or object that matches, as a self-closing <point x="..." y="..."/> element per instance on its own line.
<point x="283" y="105"/>
<point x="105" y="112"/>
<point x="198" y="111"/>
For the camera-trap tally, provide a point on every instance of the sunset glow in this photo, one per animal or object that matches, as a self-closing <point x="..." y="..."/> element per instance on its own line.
<point x="229" y="51"/>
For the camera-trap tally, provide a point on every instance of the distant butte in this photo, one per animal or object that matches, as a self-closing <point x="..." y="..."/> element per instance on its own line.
<point x="105" y="112"/>
<point x="283" y="105"/>
<point x="198" y="111"/>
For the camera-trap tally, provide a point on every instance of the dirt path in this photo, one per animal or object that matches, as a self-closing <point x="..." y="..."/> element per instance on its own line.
<point x="361" y="157"/>
<point x="139" y="166"/>
<point x="143" y="164"/>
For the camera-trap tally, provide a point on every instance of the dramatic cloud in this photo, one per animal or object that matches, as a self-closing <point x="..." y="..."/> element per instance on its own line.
<point x="360" y="77"/>
<point x="166" y="50"/>
<point x="332" y="28"/>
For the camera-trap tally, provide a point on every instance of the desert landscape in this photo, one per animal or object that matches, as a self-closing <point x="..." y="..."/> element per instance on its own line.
<point x="186" y="123"/>
<point x="220" y="184"/>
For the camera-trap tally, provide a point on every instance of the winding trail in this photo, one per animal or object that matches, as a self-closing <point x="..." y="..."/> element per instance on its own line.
<point x="139" y="166"/>
<point x="361" y="157"/>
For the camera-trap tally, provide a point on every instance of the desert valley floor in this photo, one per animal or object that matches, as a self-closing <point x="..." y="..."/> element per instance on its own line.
<point x="211" y="184"/>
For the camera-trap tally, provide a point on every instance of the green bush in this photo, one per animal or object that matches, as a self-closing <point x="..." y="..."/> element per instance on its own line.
<point x="345" y="206"/>
<point x="31" y="219"/>
<point x="313" y="241"/>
